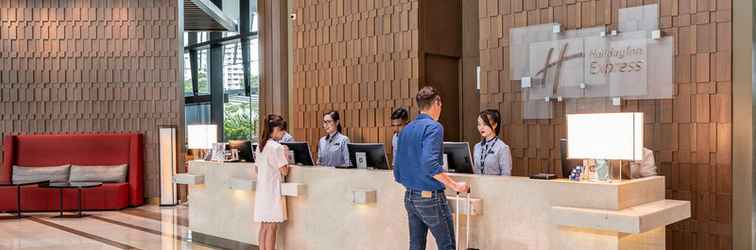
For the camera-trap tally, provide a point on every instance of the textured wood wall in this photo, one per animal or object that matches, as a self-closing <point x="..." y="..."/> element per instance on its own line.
<point x="357" y="57"/>
<point x="80" y="66"/>
<point x="690" y="135"/>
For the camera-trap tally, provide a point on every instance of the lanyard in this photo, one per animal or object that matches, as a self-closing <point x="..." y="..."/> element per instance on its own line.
<point x="484" y="154"/>
<point x="330" y="138"/>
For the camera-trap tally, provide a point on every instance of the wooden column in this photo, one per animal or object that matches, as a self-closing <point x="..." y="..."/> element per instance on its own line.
<point x="274" y="93"/>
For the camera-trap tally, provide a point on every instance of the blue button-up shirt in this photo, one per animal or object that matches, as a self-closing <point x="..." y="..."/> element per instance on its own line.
<point x="419" y="155"/>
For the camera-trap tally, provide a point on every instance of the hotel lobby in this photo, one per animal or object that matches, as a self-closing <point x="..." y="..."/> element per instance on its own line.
<point x="377" y="124"/>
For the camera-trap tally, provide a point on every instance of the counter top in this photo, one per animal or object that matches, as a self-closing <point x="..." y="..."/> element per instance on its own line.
<point x="518" y="211"/>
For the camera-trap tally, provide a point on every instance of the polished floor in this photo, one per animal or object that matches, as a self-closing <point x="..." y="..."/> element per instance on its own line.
<point x="146" y="227"/>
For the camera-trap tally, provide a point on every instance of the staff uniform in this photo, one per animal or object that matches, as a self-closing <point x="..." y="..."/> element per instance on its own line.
<point x="287" y="137"/>
<point x="332" y="150"/>
<point x="492" y="157"/>
<point x="270" y="206"/>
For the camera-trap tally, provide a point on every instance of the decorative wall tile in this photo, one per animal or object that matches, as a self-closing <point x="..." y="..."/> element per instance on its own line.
<point x="84" y="66"/>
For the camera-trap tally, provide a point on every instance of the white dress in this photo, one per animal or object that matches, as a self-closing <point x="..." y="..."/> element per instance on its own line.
<point x="270" y="206"/>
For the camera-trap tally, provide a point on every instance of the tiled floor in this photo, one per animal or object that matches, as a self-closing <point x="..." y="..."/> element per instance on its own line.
<point x="146" y="227"/>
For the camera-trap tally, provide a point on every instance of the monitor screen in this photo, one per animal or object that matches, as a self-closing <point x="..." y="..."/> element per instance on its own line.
<point x="457" y="157"/>
<point x="246" y="149"/>
<point x="368" y="155"/>
<point x="302" y="155"/>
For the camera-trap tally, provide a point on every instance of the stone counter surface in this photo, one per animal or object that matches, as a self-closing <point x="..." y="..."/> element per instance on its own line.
<point x="516" y="211"/>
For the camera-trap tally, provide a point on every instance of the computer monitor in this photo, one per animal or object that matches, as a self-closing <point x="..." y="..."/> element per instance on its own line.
<point x="246" y="149"/>
<point x="457" y="157"/>
<point x="369" y="155"/>
<point x="302" y="155"/>
<point x="566" y="169"/>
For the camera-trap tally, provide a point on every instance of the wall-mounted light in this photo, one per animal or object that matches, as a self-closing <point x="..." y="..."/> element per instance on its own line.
<point x="293" y="189"/>
<point x="364" y="196"/>
<point x="189" y="179"/>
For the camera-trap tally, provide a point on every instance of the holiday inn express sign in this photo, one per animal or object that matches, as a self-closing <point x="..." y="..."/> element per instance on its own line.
<point x="555" y="65"/>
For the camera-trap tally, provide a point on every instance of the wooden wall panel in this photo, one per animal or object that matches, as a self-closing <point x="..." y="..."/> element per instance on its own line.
<point x="690" y="135"/>
<point x="356" y="57"/>
<point x="82" y="66"/>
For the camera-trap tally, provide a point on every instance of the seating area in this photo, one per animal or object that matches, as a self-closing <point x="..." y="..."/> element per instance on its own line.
<point x="114" y="159"/>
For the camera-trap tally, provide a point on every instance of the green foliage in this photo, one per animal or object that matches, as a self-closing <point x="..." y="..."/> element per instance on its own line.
<point x="238" y="123"/>
<point x="202" y="85"/>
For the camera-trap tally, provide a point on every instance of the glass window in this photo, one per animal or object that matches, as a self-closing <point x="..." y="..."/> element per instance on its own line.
<point x="187" y="75"/>
<point x="240" y="110"/>
<point x="203" y="83"/>
<point x="203" y="37"/>
<point x="197" y="113"/>
<point x="254" y="22"/>
<point x="254" y="66"/>
<point x="240" y="103"/>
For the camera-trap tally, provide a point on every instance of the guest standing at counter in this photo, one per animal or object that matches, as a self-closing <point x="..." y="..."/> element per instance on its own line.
<point x="270" y="206"/>
<point x="492" y="156"/>
<point x="419" y="169"/>
<point x="399" y="119"/>
<point x="332" y="148"/>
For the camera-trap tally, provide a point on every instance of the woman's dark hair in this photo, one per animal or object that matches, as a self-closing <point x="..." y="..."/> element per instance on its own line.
<point x="273" y="121"/>
<point x="491" y="117"/>
<point x="336" y="118"/>
<point x="426" y="96"/>
<point x="400" y="113"/>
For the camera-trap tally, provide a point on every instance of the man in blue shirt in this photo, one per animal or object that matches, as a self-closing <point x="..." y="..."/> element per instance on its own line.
<point x="419" y="168"/>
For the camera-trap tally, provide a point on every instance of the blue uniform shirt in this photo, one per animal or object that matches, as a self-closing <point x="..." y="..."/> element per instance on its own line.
<point x="420" y="155"/>
<point x="493" y="158"/>
<point x="332" y="150"/>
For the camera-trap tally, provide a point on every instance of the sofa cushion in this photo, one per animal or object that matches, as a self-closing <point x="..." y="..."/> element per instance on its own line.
<point x="29" y="174"/>
<point x="115" y="173"/>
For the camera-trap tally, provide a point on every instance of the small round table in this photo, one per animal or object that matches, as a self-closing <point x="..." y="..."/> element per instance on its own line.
<point x="68" y="185"/>
<point x="18" y="185"/>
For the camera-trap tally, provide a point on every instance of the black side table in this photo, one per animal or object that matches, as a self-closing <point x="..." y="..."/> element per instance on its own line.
<point x="69" y="185"/>
<point x="18" y="186"/>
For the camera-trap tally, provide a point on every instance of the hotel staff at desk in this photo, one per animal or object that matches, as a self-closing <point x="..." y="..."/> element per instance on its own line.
<point x="399" y="119"/>
<point x="492" y="156"/>
<point x="332" y="148"/>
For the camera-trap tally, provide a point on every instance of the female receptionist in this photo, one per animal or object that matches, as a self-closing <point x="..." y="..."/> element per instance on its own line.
<point x="332" y="148"/>
<point x="492" y="156"/>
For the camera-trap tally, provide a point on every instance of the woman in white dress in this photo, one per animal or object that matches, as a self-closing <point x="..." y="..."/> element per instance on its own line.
<point x="272" y="167"/>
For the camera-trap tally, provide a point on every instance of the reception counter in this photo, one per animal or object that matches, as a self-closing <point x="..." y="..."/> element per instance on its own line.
<point x="509" y="212"/>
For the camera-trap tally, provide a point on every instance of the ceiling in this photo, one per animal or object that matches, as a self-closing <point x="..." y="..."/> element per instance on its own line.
<point x="203" y="15"/>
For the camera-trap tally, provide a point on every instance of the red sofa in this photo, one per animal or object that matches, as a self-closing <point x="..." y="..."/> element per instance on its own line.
<point x="80" y="149"/>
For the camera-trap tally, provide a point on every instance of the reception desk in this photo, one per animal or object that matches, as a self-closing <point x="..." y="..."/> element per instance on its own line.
<point x="513" y="212"/>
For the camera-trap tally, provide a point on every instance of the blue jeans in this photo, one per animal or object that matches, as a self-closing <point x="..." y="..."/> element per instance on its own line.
<point x="429" y="213"/>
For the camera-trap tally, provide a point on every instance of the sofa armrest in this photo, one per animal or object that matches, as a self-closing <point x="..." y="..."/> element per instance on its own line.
<point x="9" y="148"/>
<point x="136" y="170"/>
